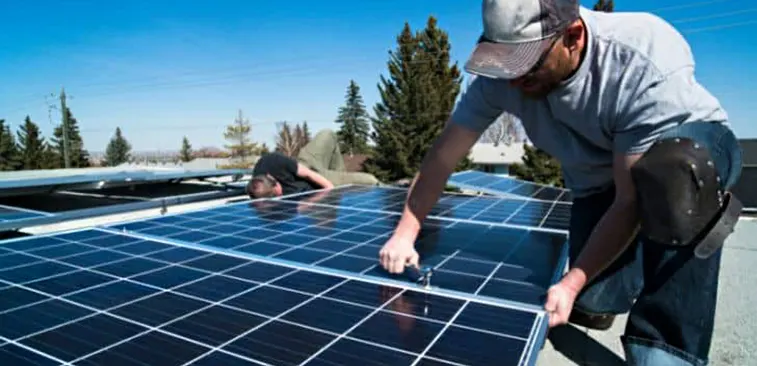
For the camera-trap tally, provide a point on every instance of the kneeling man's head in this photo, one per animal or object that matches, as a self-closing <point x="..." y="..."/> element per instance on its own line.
<point x="263" y="186"/>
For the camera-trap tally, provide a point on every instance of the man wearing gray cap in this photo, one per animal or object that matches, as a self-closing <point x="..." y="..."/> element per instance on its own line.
<point x="646" y="150"/>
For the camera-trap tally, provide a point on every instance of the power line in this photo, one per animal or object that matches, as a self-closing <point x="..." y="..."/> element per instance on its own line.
<point x="717" y="27"/>
<point x="714" y="16"/>
<point x="687" y="6"/>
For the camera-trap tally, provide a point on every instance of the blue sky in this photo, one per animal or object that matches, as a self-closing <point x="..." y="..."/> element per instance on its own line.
<point x="164" y="69"/>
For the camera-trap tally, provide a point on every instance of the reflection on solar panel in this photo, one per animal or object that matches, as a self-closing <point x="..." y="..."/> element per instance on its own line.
<point x="493" y="184"/>
<point x="94" y="297"/>
<point x="501" y="262"/>
<point x="14" y="183"/>
<point x="11" y="214"/>
<point x="526" y="213"/>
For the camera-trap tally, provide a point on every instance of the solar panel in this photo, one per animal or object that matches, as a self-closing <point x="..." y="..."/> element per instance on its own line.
<point x="27" y="182"/>
<point x="13" y="214"/>
<point x="494" y="184"/>
<point x="514" y="211"/>
<point x="72" y="206"/>
<point x="95" y="297"/>
<point x="517" y="264"/>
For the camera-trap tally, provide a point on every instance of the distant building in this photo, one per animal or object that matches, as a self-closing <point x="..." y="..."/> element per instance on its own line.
<point x="745" y="188"/>
<point x="487" y="157"/>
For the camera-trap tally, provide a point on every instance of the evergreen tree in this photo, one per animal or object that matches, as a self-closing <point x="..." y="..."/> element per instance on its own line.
<point x="306" y="136"/>
<point x="118" y="150"/>
<point x="186" y="150"/>
<point x="353" y="118"/>
<point x="606" y="6"/>
<point x="50" y="157"/>
<point x="9" y="154"/>
<point x="32" y="146"/>
<point x="78" y="156"/>
<point x="416" y="101"/>
<point x="238" y="134"/>
<point x="538" y="167"/>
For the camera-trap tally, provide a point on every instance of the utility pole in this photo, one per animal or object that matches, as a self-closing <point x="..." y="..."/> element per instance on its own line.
<point x="64" y="111"/>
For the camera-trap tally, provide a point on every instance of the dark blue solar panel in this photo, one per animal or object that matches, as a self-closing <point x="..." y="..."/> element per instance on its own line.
<point x="495" y="184"/>
<point x="514" y="211"/>
<point x="516" y="264"/>
<point x="204" y="307"/>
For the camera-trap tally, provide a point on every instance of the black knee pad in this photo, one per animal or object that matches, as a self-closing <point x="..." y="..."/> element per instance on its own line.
<point x="681" y="202"/>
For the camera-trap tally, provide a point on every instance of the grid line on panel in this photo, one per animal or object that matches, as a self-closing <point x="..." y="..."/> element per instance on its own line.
<point x="33" y="350"/>
<point x="549" y="213"/>
<point x="271" y="319"/>
<point x="365" y="202"/>
<point x="357" y="324"/>
<point x="498" y="185"/>
<point x="455" y="316"/>
<point x="107" y="311"/>
<point x="266" y="226"/>
<point x="305" y="245"/>
<point x="204" y="308"/>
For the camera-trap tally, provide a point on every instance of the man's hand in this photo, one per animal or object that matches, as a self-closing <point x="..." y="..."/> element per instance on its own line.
<point x="560" y="299"/>
<point x="397" y="253"/>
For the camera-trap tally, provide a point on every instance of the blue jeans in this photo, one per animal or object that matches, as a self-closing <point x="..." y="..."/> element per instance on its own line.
<point x="669" y="293"/>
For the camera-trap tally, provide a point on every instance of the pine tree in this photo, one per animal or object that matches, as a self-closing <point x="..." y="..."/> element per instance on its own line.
<point x="32" y="147"/>
<point x="9" y="154"/>
<point x="353" y="118"/>
<point x="538" y="167"/>
<point x="50" y="157"/>
<point x="306" y="136"/>
<point x="185" y="154"/>
<point x="78" y="156"/>
<point x="416" y="101"/>
<point x="606" y="6"/>
<point x="118" y="150"/>
<point x="238" y="134"/>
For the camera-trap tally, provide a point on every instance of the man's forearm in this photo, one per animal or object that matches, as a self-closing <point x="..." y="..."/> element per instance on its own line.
<point x="423" y="194"/>
<point x="608" y="241"/>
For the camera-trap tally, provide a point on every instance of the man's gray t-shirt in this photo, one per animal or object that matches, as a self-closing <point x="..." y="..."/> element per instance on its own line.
<point x="636" y="81"/>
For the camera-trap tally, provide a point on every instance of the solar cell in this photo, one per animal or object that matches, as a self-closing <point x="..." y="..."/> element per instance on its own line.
<point x="9" y="214"/>
<point x="494" y="184"/>
<point x="95" y="297"/>
<point x="507" y="263"/>
<point x="519" y="212"/>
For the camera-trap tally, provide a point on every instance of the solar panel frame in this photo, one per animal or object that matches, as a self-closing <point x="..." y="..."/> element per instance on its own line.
<point x="487" y="183"/>
<point x="88" y="179"/>
<point x="47" y="218"/>
<point x="527" y="356"/>
<point x="12" y="214"/>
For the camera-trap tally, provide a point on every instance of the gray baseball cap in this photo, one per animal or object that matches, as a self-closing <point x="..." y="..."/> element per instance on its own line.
<point x="516" y="35"/>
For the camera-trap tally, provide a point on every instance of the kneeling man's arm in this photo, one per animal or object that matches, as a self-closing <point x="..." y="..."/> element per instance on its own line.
<point x="309" y="174"/>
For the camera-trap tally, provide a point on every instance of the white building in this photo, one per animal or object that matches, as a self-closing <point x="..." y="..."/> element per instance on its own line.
<point x="489" y="158"/>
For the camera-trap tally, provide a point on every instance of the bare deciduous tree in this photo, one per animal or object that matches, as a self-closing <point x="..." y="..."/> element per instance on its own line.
<point x="505" y="130"/>
<point x="288" y="141"/>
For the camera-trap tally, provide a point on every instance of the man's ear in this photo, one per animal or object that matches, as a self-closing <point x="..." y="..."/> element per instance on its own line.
<point x="574" y="35"/>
